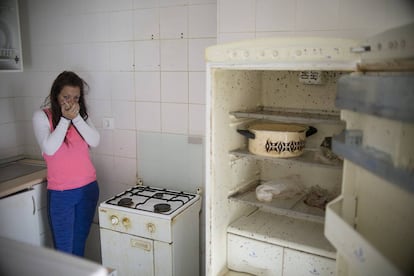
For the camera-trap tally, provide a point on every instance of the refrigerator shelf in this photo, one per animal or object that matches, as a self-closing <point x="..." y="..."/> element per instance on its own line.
<point x="353" y="246"/>
<point x="374" y="161"/>
<point x="293" y="207"/>
<point x="291" y="115"/>
<point x="309" y="157"/>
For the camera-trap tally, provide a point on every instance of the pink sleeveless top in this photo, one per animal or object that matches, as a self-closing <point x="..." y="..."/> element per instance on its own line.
<point x="71" y="166"/>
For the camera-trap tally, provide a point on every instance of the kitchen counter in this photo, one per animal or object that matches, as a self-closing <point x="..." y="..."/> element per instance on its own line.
<point x="19" y="175"/>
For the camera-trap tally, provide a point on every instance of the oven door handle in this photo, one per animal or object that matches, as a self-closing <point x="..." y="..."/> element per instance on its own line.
<point x="141" y="244"/>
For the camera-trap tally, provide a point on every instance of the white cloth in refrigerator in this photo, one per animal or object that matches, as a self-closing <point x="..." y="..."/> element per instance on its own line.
<point x="282" y="188"/>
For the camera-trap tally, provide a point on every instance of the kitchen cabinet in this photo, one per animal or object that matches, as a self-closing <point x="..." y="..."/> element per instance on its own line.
<point x="10" y="45"/>
<point x="23" y="201"/>
<point x="24" y="216"/>
<point x="18" y="214"/>
<point x="42" y="216"/>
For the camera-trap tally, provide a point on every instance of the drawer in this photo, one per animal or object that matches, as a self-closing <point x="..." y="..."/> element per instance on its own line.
<point x="298" y="263"/>
<point x="254" y="257"/>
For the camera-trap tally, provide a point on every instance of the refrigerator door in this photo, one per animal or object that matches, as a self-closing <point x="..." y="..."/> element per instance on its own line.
<point x="286" y="53"/>
<point x="374" y="212"/>
<point x="392" y="50"/>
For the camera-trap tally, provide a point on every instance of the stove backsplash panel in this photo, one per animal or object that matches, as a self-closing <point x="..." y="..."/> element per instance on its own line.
<point x="170" y="161"/>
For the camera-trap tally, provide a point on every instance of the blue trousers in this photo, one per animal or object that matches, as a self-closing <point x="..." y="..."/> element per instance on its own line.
<point x="71" y="214"/>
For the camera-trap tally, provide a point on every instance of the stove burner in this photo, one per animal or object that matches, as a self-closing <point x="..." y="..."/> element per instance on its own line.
<point x="158" y="195"/>
<point x="125" y="202"/>
<point x="162" y="207"/>
<point x="150" y="199"/>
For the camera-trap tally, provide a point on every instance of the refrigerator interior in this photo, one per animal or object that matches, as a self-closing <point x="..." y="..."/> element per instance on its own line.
<point x="240" y="97"/>
<point x="362" y="97"/>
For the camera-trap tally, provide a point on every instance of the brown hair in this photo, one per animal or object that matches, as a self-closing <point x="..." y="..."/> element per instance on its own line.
<point x="66" y="78"/>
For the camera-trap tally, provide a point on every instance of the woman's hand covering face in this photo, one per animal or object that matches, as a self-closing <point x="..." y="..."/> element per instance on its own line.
<point x="70" y="111"/>
<point x="69" y="101"/>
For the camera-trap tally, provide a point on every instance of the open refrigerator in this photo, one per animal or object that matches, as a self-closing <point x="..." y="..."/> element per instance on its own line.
<point x="358" y="96"/>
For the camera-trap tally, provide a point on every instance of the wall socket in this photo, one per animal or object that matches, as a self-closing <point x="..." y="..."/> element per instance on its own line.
<point x="108" y="123"/>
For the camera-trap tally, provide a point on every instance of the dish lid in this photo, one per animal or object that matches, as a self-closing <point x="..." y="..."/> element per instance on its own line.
<point x="278" y="127"/>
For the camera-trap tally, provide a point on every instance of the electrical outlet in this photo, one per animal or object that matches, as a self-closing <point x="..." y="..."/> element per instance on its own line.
<point x="108" y="123"/>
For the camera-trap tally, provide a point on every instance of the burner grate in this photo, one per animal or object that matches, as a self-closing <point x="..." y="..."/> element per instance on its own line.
<point x="145" y="198"/>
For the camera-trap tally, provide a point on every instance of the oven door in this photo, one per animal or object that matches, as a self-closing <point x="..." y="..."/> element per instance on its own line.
<point x="128" y="254"/>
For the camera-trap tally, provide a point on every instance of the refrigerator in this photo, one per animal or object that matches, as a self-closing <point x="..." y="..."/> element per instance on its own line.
<point x="345" y="207"/>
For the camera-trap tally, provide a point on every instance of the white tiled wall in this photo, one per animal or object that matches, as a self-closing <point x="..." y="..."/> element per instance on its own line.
<point x="144" y="63"/>
<point x="246" y="19"/>
<point x="143" y="60"/>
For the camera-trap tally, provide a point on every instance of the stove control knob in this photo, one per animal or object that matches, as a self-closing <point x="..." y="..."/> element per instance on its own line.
<point x="114" y="220"/>
<point x="126" y="222"/>
<point x="151" y="227"/>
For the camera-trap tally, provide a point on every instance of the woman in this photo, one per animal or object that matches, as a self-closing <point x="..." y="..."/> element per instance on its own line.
<point x="65" y="133"/>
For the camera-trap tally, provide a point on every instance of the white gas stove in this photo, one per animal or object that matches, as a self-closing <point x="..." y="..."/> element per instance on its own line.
<point x="151" y="231"/>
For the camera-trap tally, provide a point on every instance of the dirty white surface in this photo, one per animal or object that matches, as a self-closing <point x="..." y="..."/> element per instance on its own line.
<point x="229" y="172"/>
<point x="284" y="231"/>
<point x="238" y="85"/>
<point x="378" y="212"/>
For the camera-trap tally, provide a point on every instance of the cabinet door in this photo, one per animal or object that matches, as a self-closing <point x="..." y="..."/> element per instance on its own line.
<point x="129" y="255"/>
<point x="40" y="195"/>
<point x="11" y="48"/>
<point x="252" y="256"/>
<point x="19" y="217"/>
<point x="41" y="207"/>
<point x="298" y="263"/>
